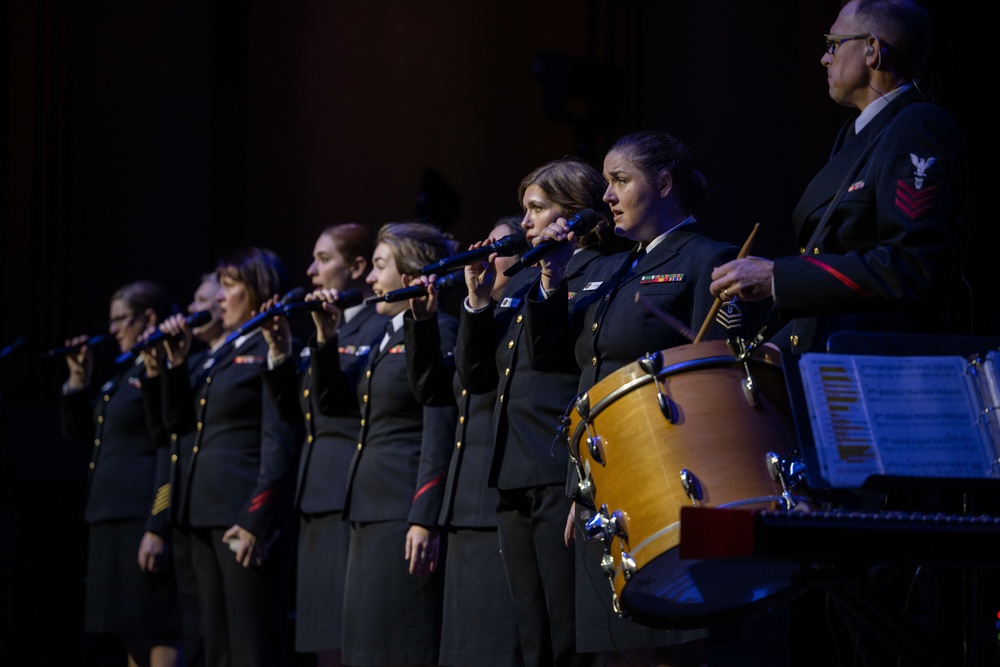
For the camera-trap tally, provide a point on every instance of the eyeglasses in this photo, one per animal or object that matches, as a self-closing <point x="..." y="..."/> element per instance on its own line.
<point x="121" y="320"/>
<point x="833" y="41"/>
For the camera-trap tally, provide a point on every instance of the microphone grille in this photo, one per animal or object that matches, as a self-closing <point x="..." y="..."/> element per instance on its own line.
<point x="294" y="295"/>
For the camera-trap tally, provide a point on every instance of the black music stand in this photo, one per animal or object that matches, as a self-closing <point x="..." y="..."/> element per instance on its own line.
<point x="852" y="588"/>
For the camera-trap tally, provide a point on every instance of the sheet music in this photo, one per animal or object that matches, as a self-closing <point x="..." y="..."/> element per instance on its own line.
<point x="905" y="416"/>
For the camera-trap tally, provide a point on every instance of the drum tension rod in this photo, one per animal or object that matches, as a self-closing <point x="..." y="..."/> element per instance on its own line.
<point x="652" y="363"/>
<point x="789" y="471"/>
<point x="742" y="350"/>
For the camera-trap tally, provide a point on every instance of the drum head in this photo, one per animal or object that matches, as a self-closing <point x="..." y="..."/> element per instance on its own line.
<point x="674" y="592"/>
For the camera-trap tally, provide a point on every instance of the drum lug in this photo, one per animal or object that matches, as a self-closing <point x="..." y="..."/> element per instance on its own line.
<point x="692" y="487"/>
<point x="628" y="565"/>
<point x="750" y="391"/>
<point x="583" y="406"/>
<point x="596" y="446"/>
<point x="666" y="406"/>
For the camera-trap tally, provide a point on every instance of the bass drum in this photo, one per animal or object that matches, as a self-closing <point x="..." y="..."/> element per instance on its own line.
<point x="690" y="426"/>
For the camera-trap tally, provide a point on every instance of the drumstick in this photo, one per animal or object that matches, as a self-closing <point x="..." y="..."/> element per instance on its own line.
<point x="664" y="315"/>
<point x="714" y="310"/>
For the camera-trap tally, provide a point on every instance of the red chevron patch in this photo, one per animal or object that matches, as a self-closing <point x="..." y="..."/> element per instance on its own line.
<point x="915" y="203"/>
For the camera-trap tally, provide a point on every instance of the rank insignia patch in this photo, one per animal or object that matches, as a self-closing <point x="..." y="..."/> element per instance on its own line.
<point x="914" y="201"/>
<point x="730" y="316"/>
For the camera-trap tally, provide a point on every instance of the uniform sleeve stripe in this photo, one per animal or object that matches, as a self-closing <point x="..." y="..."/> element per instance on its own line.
<point x="839" y="276"/>
<point x="428" y="486"/>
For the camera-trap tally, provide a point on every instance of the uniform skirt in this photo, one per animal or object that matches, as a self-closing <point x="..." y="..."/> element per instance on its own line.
<point x="390" y="616"/>
<point x="479" y="626"/>
<point x="140" y="607"/>
<point x="322" y="565"/>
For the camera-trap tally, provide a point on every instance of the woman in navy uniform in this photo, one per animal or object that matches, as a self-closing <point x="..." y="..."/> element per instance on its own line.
<point x="392" y="597"/>
<point x="652" y="187"/>
<point x="529" y="462"/>
<point x="341" y="260"/>
<point x="236" y="489"/>
<point x="130" y="586"/>
<point x="476" y="592"/>
<point x="207" y="337"/>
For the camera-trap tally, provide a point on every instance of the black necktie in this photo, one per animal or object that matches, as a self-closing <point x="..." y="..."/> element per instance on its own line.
<point x="637" y="258"/>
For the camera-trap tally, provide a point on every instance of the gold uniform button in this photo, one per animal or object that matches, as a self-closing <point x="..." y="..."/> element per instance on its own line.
<point x="100" y="419"/>
<point x="200" y="426"/>
<point x="510" y="344"/>
<point x="309" y="416"/>
<point x="208" y="380"/>
<point x="593" y="327"/>
<point x="368" y="374"/>
<point x="461" y="420"/>
<point x="794" y="340"/>
<point x="519" y="318"/>
<point x="458" y="445"/>
<point x="501" y="398"/>
<point x="359" y="446"/>
<point x="593" y="361"/>
<point x="107" y="397"/>
<point x="309" y="440"/>
<point x="305" y="394"/>
<point x="173" y="458"/>
<point x="607" y="297"/>
<point x="465" y="393"/>
<point x="815" y="251"/>
<point x="194" y="450"/>
<point x="802" y="251"/>
<point x="173" y="437"/>
<point x="362" y="422"/>
<point x="91" y="465"/>
<point x="365" y="398"/>
<point x="309" y="371"/>
<point x="97" y="442"/>
<point x="202" y="402"/>
<point x="506" y="371"/>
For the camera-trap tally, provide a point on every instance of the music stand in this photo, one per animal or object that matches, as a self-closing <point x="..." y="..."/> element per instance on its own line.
<point x="856" y="596"/>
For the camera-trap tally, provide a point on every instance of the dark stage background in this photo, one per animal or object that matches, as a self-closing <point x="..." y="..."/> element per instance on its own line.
<point x="147" y="138"/>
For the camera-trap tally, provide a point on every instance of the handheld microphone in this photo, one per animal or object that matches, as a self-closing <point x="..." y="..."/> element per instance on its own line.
<point x="509" y="245"/>
<point x="20" y="342"/>
<point x="292" y="296"/>
<point x="195" y="319"/>
<point x="93" y="341"/>
<point x="581" y="223"/>
<point x="444" y="282"/>
<point x="345" y="299"/>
